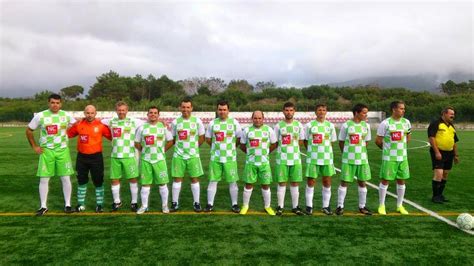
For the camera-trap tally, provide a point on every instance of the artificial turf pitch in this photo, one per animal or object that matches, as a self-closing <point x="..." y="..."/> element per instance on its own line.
<point x="227" y="238"/>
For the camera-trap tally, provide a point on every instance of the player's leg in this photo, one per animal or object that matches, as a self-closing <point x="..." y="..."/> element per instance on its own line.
<point x="178" y="167"/>
<point x="46" y="169"/>
<point x="387" y="174"/>
<point x="130" y="167"/>
<point x="146" y="180"/>
<point x="295" y="175"/>
<point x="115" y="175"/>
<point x="264" y="176"/>
<point x="449" y="157"/>
<point x="281" y="174"/>
<point x="162" y="180"/>
<point x="215" y="175"/>
<point x="326" y="171"/>
<point x="97" y="174"/>
<point x="250" y="178"/>
<point x="64" y="170"/>
<point x="363" y="174"/>
<point x="347" y="176"/>
<point x="403" y="173"/>
<point x="231" y="176"/>
<point x="82" y="168"/>
<point x="311" y="175"/>
<point x="436" y="183"/>
<point x="194" y="167"/>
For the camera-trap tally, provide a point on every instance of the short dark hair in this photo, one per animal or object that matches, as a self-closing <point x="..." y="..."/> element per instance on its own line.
<point x="289" y="104"/>
<point x="263" y="116"/>
<point x="447" y="108"/>
<point x="222" y="103"/>
<point x="153" y="107"/>
<point x="321" y="105"/>
<point x="358" y="108"/>
<point x="395" y="104"/>
<point x="54" y="96"/>
<point x="186" y="100"/>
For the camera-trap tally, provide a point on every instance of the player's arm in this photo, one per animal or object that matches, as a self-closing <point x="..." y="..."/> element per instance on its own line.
<point x="201" y="140"/>
<point x="169" y="144"/>
<point x="31" y="140"/>
<point x="138" y="146"/>
<point x="209" y="141"/>
<point x="432" y="130"/>
<point x="243" y="141"/>
<point x="456" y="154"/>
<point x="379" y="142"/>
<point x="273" y="140"/>
<point x="341" y="145"/>
<point x="72" y="131"/>
<point x="243" y="147"/>
<point x="273" y="146"/>
<point x="342" y="136"/>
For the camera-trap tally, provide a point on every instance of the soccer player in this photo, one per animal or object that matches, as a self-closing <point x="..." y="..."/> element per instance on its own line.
<point x="320" y="134"/>
<point x="123" y="162"/>
<point x="89" y="156"/>
<point x="443" y="138"/>
<point x="257" y="141"/>
<point x="223" y="134"/>
<point x="353" y="140"/>
<point x="153" y="140"/>
<point x="188" y="133"/>
<point x="54" y="156"/>
<point x="290" y="135"/>
<point x="393" y="134"/>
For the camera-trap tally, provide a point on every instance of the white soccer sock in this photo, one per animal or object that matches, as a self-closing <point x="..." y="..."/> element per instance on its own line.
<point x="400" y="194"/>
<point x="234" y="192"/>
<point x="295" y="195"/>
<point x="116" y="193"/>
<point x="164" y="195"/>
<point x="309" y="196"/>
<point x="266" y="197"/>
<point x="67" y="190"/>
<point x="195" y="188"/>
<point x="341" y="196"/>
<point x="246" y="196"/>
<point x="145" y="192"/>
<point x="281" y="190"/>
<point x="134" y="192"/>
<point x="382" y="193"/>
<point x="362" y="196"/>
<point x="43" y="191"/>
<point x="326" y="191"/>
<point x="211" y="192"/>
<point x="175" y="190"/>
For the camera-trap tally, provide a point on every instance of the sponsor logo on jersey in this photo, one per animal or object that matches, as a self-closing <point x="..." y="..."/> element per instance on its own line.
<point x="117" y="132"/>
<point x="286" y="139"/>
<point x="150" y="140"/>
<point x="254" y="142"/>
<point x="219" y="136"/>
<point x="317" y="138"/>
<point x="84" y="138"/>
<point x="354" y="138"/>
<point x="182" y="134"/>
<point x="396" y="136"/>
<point x="52" y="129"/>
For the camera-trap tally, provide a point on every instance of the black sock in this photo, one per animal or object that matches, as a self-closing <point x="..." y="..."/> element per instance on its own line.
<point x="436" y="188"/>
<point x="442" y="185"/>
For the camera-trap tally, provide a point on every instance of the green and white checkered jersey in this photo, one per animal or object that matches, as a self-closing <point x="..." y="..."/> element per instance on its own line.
<point x="355" y="136"/>
<point x="288" y="136"/>
<point x="186" y="133"/>
<point x="223" y="135"/>
<point x="394" y="135"/>
<point x="153" y="139"/>
<point x="123" y="136"/>
<point x="320" y="136"/>
<point x="53" y="128"/>
<point x="258" y="141"/>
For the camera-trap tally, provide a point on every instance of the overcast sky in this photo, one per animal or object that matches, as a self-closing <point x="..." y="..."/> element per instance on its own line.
<point x="54" y="44"/>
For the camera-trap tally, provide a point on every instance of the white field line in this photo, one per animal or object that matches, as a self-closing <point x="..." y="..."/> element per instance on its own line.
<point x="427" y="144"/>
<point x="415" y="205"/>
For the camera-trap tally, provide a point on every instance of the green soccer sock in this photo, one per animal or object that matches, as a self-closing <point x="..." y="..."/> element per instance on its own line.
<point x="81" y="194"/>
<point x="99" y="194"/>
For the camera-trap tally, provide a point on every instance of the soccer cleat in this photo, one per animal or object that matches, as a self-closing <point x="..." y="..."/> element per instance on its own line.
<point x="197" y="207"/>
<point x="134" y="207"/>
<point x="309" y="210"/>
<point x="235" y="208"/>
<point x="116" y="206"/>
<point x="326" y="211"/>
<point x="297" y="211"/>
<point x="437" y="199"/>
<point x="174" y="207"/>
<point x="80" y="208"/>
<point x="244" y="210"/>
<point x="68" y="209"/>
<point x="165" y="209"/>
<point x="142" y="210"/>
<point x="99" y="209"/>
<point x="339" y="210"/>
<point x="270" y="211"/>
<point x="209" y="208"/>
<point x="279" y="211"/>
<point x="41" y="211"/>
<point x="402" y="210"/>
<point x="381" y="210"/>
<point x="365" y="211"/>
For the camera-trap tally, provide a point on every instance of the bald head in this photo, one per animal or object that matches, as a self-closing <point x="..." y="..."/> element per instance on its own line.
<point x="257" y="118"/>
<point x="90" y="113"/>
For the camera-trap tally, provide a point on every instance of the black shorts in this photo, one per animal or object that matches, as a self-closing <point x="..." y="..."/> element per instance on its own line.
<point x="446" y="162"/>
<point x="93" y="163"/>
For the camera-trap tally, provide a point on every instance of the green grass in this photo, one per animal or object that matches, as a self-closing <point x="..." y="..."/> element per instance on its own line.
<point x="232" y="239"/>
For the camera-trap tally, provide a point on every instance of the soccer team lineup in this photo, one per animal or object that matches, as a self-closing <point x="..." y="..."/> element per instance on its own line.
<point x="138" y="159"/>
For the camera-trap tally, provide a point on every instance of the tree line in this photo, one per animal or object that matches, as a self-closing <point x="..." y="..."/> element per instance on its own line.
<point x="166" y="93"/>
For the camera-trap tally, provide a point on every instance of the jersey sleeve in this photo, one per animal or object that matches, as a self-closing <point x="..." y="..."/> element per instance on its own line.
<point x="368" y="137"/>
<point x="168" y="135"/>
<point x="273" y="136"/>
<point x="138" y="134"/>
<point x="409" y="127"/>
<point x="72" y="120"/>
<point x="201" y="128"/>
<point x="243" y="136"/>
<point x="276" y="131"/>
<point x="333" y="133"/>
<point x="34" y="123"/>
<point x="343" y="132"/>
<point x="72" y="131"/>
<point x="307" y="130"/>
<point x="106" y="132"/>
<point x="238" y="129"/>
<point x="433" y="129"/>
<point x="209" y="130"/>
<point x="173" y="128"/>
<point x="382" y="129"/>
<point x="106" y="121"/>
<point x="302" y="132"/>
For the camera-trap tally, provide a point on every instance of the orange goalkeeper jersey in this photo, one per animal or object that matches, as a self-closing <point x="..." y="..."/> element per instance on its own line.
<point x="90" y="135"/>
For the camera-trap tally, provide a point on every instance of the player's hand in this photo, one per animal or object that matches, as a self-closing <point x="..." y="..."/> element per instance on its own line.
<point x="38" y="150"/>
<point x="438" y="156"/>
<point x="456" y="159"/>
